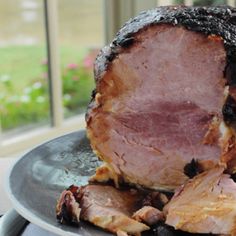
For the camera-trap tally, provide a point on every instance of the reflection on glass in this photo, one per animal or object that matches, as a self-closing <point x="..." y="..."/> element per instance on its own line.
<point x="80" y="38"/>
<point x="24" y="100"/>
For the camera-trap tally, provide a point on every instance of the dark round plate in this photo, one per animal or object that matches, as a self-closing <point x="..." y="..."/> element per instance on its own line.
<point x="37" y="179"/>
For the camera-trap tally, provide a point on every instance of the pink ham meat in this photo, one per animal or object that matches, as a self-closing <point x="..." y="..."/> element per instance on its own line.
<point x="111" y="209"/>
<point x="206" y="204"/>
<point x="157" y="104"/>
<point x="104" y="206"/>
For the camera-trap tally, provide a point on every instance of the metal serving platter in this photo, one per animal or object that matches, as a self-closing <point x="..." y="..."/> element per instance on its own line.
<point x="37" y="179"/>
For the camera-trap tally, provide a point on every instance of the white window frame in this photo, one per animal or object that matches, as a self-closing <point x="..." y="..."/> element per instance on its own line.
<point x="116" y="12"/>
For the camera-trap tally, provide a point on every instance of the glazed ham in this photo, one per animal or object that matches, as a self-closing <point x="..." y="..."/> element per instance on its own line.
<point x="104" y="206"/>
<point x="207" y="204"/>
<point x="163" y="97"/>
<point x="111" y="209"/>
<point x="163" y="112"/>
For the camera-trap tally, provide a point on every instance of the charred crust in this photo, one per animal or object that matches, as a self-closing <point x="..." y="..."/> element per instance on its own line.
<point x="232" y="19"/>
<point x="64" y="208"/>
<point x="233" y="177"/>
<point x="93" y="94"/>
<point x="191" y="169"/>
<point x="230" y="69"/>
<point x="229" y="110"/>
<point x="166" y="230"/>
<point x="74" y="190"/>
<point x="160" y="229"/>
<point x="156" y="199"/>
<point x="64" y="217"/>
<point x="126" y="42"/>
<point x="91" y="104"/>
<point x="218" y="20"/>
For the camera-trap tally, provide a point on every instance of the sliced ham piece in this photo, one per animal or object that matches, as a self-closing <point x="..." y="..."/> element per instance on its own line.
<point x="162" y="94"/>
<point x="206" y="204"/>
<point x="149" y="215"/>
<point x="104" y="206"/>
<point x="68" y="209"/>
<point x="111" y="209"/>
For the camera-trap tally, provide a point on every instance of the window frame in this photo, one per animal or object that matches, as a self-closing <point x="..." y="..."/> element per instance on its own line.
<point x="115" y="14"/>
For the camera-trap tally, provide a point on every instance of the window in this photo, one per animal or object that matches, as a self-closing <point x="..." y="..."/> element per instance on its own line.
<point x="57" y="51"/>
<point x="24" y="98"/>
<point x="208" y="2"/>
<point x="80" y="39"/>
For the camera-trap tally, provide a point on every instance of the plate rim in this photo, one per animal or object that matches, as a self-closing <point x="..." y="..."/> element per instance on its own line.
<point x="23" y="211"/>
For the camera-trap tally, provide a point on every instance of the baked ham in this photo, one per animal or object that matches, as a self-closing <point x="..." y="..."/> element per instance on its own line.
<point x="206" y="204"/>
<point x="164" y="111"/>
<point x="149" y="215"/>
<point x="165" y="96"/>
<point x="106" y="207"/>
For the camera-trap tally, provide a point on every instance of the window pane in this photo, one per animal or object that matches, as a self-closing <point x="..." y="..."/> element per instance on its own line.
<point x="208" y="2"/>
<point x="81" y="37"/>
<point x="178" y="1"/>
<point x="24" y="100"/>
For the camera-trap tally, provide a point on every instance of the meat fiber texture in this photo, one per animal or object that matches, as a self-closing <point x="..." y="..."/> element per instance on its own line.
<point x="207" y="204"/>
<point x="165" y="96"/>
<point x="108" y="208"/>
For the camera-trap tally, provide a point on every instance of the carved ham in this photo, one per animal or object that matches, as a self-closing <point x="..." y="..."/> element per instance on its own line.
<point x="206" y="204"/>
<point x="164" y="111"/>
<point x="104" y="206"/>
<point x="149" y="215"/>
<point x="164" y="95"/>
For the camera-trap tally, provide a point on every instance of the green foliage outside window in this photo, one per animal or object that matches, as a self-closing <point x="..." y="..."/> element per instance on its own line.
<point x="208" y="2"/>
<point x="203" y="2"/>
<point x="31" y="105"/>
